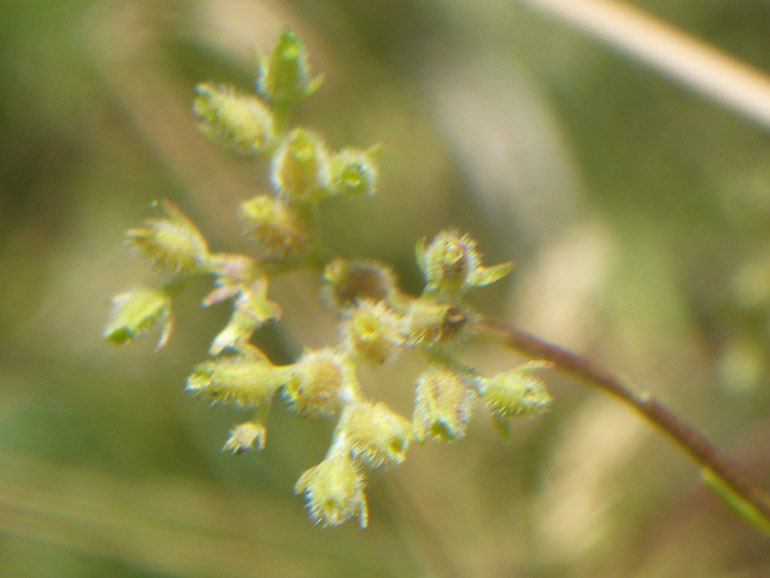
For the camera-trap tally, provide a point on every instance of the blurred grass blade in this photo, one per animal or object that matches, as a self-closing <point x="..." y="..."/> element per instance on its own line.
<point x="674" y="52"/>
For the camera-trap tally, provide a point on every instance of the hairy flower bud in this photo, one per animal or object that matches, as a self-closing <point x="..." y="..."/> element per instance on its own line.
<point x="284" y="77"/>
<point x="246" y="436"/>
<point x="348" y="282"/>
<point x="246" y="380"/>
<point x="373" y="331"/>
<point x="374" y="433"/>
<point x="452" y="265"/>
<point x="240" y="122"/>
<point x="442" y="405"/>
<point x="300" y="167"/>
<point x="273" y="227"/>
<point x="516" y="393"/>
<point x="430" y="323"/>
<point x="173" y="244"/>
<point x="353" y="173"/>
<point x="136" y="312"/>
<point x="334" y="490"/>
<point x="316" y="381"/>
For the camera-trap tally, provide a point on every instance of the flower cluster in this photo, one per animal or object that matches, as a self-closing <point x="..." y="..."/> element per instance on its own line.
<point x="377" y="320"/>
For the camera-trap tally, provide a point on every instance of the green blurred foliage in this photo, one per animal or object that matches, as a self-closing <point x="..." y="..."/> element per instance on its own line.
<point x="637" y="212"/>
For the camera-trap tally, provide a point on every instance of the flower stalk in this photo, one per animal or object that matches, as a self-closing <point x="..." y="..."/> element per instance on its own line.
<point x="712" y="462"/>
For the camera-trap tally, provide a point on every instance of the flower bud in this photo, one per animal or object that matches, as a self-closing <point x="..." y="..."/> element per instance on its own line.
<point x="430" y="323"/>
<point x="516" y="393"/>
<point x="348" y="282"/>
<point x="273" y="227"/>
<point x="334" y="490"/>
<point x="246" y="436"/>
<point x="239" y="122"/>
<point x="442" y="405"/>
<point x="316" y="382"/>
<point x="284" y="77"/>
<point x="373" y="331"/>
<point x="136" y="312"/>
<point x="300" y="167"/>
<point x="374" y="433"/>
<point x="246" y="380"/>
<point x="173" y="244"/>
<point x="353" y="173"/>
<point x="452" y="265"/>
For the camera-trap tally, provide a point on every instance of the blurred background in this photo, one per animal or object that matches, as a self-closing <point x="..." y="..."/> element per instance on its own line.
<point x="636" y="208"/>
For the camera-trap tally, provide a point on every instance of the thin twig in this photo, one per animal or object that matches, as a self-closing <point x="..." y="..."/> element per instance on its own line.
<point x="698" y="447"/>
<point x="675" y="53"/>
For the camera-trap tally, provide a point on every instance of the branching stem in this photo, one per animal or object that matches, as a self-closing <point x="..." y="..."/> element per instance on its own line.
<point x="698" y="447"/>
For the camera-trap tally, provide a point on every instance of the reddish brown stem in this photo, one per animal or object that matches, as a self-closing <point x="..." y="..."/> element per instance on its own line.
<point x="698" y="447"/>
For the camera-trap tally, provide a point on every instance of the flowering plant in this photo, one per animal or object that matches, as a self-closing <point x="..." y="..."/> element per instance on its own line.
<point x="377" y="320"/>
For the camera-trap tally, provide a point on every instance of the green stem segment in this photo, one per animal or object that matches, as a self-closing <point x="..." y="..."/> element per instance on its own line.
<point x="722" y="473"/>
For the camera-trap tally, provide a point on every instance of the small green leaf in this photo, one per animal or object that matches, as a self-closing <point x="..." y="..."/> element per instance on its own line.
<point x="488" y="275"/>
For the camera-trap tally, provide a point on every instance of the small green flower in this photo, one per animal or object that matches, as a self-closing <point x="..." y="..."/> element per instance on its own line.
<point x="136" y="312"/>
<point x="247" y="379"/>
<point x="452" y="265"/>
<point x="239" y="122"/>
<point x="428" y="322"/>
<point x="300" y="167"/>
<point x="349" y="282"/>
<point x="317" y="380"/>
<point x="515" y="393"/>
<point x="353" y="173"/>
<point x="442" y="406"/>
<point x="334" y="490"/>
<point x="246" y="436"/>
<point x="173" y="244"/>
<point x="374" y="433"/>
<point x="373" y="331"/>
<point x="273" y="227"/>
<point x="284" y="76"/>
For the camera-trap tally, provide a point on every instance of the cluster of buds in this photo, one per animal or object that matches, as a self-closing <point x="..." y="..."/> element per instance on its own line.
<point x="377" y="320"/>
